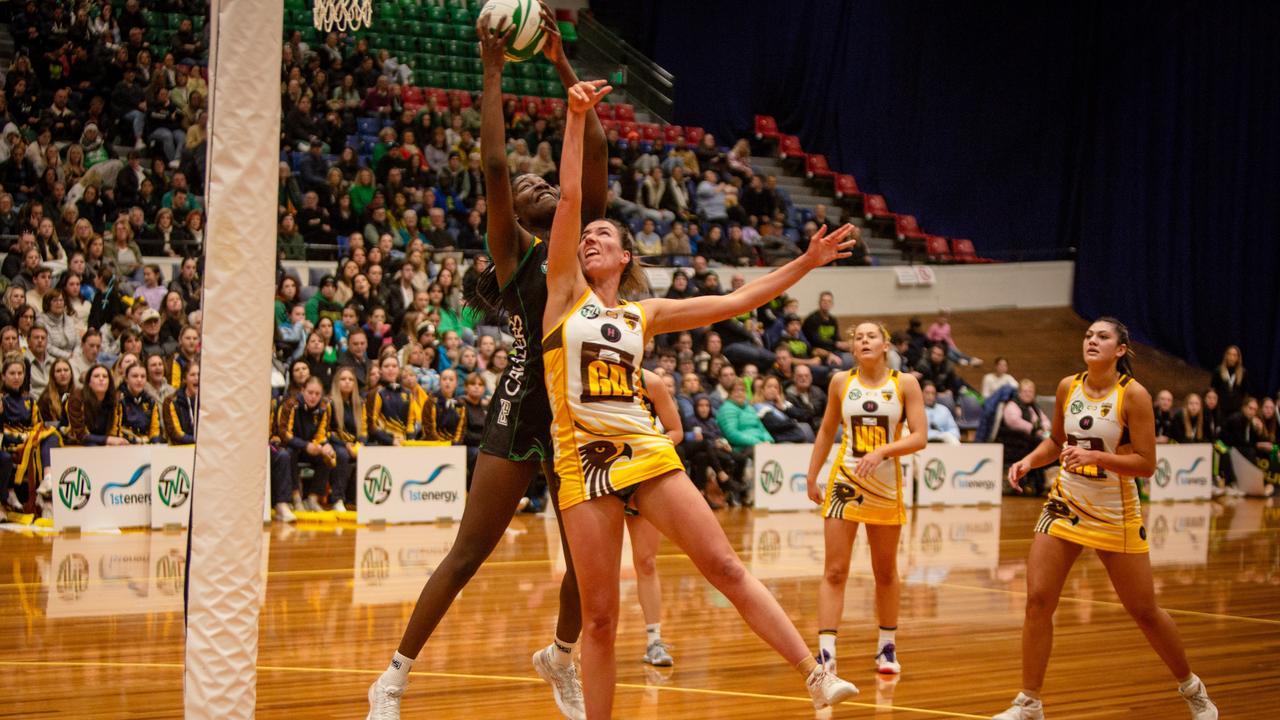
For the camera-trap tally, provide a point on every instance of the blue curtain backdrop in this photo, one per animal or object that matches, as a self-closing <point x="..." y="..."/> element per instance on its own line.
<point x="1145" y="134"/>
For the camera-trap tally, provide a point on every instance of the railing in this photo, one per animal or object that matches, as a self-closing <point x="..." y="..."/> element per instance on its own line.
<point x="644" y="80"/>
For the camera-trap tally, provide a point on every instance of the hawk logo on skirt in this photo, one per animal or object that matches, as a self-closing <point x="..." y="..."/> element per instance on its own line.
<point x="597" y="460"/>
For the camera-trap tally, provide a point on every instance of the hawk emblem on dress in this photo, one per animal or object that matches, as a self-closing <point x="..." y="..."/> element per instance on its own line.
<point x="842" y="494"/>
<point x="598" y="458"/>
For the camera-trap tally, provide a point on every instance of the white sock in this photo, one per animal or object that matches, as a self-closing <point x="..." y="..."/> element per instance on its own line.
<point x="397" y="673"/>
<point x="886" y="637"/>
<point x="654" y="632"/>
<point x="563" y="654"/>
<point x="1189" y="683"/>
<point x="826" y="645"/>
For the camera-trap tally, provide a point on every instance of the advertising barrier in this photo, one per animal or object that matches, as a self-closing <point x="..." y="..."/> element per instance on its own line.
<point x="411" y="484"/>
<point x="1183" y="472"/>
<point x="781" y="470"/>
<point x="100" y="488"/>
<point x="960" y="474"/>
<point x="171" y="484"/>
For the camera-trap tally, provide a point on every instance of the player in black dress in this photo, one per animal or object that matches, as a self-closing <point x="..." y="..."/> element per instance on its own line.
<point x="518" y="429"/>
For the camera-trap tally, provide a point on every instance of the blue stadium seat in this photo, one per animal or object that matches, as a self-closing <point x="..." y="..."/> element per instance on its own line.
<point x="368" y="126"/>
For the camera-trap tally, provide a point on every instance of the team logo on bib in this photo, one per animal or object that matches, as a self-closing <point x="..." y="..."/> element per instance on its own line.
<point x="887" y="395"/>
<point x="610" y="332"/>
<point x="870" y="406"/>
<point x="1077" y="407"/>
<point x="1086" y="422"/>
<point x="590" y="312"/>
<point x="855" y="394"/>
<point x="1105" y="410"/>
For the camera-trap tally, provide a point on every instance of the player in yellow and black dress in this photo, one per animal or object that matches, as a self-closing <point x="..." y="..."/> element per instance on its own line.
<point x="608" y="454"/>
<point x="1103" y="437"/>
<point x="872" y="404"/>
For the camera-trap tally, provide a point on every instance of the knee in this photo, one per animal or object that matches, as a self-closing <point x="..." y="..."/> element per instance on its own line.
<point x="461" y="564"/>
<point x="600" y="621"/>
<point x="1041" y="605"/>
<point x="726" y="571"/>
<point x="1146" y="615"/>
<point x="886" y="577"/>
<point x="646" y="565"/>
<point x="837" y="574"/>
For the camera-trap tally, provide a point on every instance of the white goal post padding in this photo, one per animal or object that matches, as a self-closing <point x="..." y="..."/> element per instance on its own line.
<point x="224" y="575"/>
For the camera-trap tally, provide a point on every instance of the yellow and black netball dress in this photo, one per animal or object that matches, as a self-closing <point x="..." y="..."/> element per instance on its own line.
<point x="605" y="440"/>
<point x="873" y="417"/>
<point x="1088" y="505"/>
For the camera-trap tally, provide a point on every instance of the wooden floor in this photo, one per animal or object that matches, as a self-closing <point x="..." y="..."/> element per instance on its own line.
<point x="91" y="626"/>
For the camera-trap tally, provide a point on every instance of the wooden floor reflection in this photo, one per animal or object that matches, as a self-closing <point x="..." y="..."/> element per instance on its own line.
<point x="91" y="626"/>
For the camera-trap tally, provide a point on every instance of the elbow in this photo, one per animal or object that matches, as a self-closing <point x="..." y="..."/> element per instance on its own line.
<point x="1148" y="467"/>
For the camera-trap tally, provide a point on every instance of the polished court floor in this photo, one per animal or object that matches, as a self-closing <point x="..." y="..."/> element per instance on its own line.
<point x="91" y="626"/>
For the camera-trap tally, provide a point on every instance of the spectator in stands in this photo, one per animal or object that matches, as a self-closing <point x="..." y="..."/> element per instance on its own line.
<point x="438" y="235"/>
<point x="998" y="378"/>
<point x="648" y="242"/>
<point x="94" y="412"/>
<point x="139" y="413"/>
<point x="1269" y="425"/>
<point x="716" y="470"/>
<point x="61" y="330"/>
<point x="38" y="360"/>
<point x="152" y="289"/>
<point x="940" y="332"/>
<point x="450" y="414"/>
<point x="180" y="411"/>
<point x="152" y="342"/>
<point x="936" y="368"/>
<point x="1191" y="424"/>
<point x="738" y="420"/>
<point x="942" y="424"/>
<point x="711" y="200"/>
<point x="1023" y="425"/>
<point x="304" y="429"/>
<point x="158" y="386"/>
<point x="807" y="400"/>
<point x="1213" y="419"/>
<point x="1228" y="380"/>
<point x="822" y="330"/>
<point x="1243" y="431"/>
<point x="323" y="304"/>
<point x="677" y="245"/>
<point x="474" y="412"/>
<point x="780" y="417"/>
<point x="164" y="125"/>
<point x="1164" y="416"/>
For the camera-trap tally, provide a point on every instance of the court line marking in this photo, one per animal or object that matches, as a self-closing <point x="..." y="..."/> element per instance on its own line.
<point x="489" y="678"/>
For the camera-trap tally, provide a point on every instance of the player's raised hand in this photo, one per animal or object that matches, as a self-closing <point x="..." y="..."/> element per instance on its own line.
<point x="493" y="41"/>
<point x="587" y="94"/>
<point x="825" y="248"/>
<point x="552" y="47"/>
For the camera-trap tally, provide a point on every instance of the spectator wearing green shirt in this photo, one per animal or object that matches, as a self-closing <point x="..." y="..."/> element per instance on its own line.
<point x="322" y="303"/>
<point x="739" y="422"/>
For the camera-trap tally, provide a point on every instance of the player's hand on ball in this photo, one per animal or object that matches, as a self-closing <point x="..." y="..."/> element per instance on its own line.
<point x="587" y="94"/>
<point x="553" y="47"/>
<point x="493" y="41"/>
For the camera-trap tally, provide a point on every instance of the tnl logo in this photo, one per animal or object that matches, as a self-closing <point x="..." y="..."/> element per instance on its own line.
<point x="174" y="486"/>
<point x="935" y="474"/>
<point x="74" y="488"/>
<point x="771" y="477"/>
<point x="377" y="484"/>
<point x="1163" y="475"/>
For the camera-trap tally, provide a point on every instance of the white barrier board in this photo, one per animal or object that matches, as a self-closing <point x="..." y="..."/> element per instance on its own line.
<point x="171" y="484"/>
<point x="781" y="470"/>
<point x="969" y="474"/>
<point x="1183" y="472"/>
<point x="411" y="484"/>
<point x="101" y="487"/>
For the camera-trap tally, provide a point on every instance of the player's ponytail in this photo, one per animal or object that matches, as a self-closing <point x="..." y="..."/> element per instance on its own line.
<point x="634" y="284"/>
<point x="1124" y="364"/>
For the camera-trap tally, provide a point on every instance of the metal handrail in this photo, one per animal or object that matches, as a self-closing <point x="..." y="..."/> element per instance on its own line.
<point x="647" y="82"/>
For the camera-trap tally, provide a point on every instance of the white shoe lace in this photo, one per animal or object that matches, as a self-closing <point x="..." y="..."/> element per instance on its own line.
<point x="386" y="705"/>
<point x="1199" y="702"/>
<point x="570" y="686"/>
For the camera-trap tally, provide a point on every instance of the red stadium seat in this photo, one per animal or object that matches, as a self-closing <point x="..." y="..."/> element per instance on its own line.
<point x="672" y="133"/>
<point x="789" y="146"/>
<point x="508" y="97"/>
<point x="936" y="249"/>
<point x="610" y="124"/>
<point x="625" y="128"/>
<point x="551" y="104"/>
<point x="441" y="95"/>
<point x="874" y="207"/>
<point x="766" y="127"/>
<point x="846" y="186"/>
<point x="693" y="134"/>
<point x="624" y="112"/>
<point x="650" y="132"/>
<point x="463" y="97"/>
<point x="413" y="95"/>
<point x="605" y="111"/>
<point x="815" y="166"/>
<point x="962" y="251"/>
<point x="907" y="227"/>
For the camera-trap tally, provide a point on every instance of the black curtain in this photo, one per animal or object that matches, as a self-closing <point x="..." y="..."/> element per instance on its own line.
<point x="1144" y="134"/>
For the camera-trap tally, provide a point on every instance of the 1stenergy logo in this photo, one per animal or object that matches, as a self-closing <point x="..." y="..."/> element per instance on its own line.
<point x="410" y="492"/>
<point x="965" y="479"/>
<point x="124" y="497"/>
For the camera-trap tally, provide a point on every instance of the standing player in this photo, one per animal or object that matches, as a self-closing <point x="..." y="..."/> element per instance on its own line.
<point x="608" y="453"/>
<point x="517" y="433"/>
<point x="645" y="538"/>
<point x="1104" y="437"/>
<point x="865" y="486"/>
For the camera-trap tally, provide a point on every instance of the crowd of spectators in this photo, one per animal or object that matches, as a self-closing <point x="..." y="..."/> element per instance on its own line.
<point x="102" y="168"/>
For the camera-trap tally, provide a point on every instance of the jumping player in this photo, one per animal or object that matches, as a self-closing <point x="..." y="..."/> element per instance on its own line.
<point x="1103" y="437"/>
<point x="517" y="433"/>
<point x="865" y="485"/>
<point x="608" y="454"/>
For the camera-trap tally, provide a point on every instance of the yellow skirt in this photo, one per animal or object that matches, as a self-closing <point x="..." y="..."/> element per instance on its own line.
<point x="1059" y="519"/>
<point x="872" y="501"/>
<point x="597" y="466"/>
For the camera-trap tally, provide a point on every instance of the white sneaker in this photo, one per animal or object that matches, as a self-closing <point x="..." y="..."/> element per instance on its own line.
<point x="1023" y="708"/>
<point x="658" y="653"/>
<point x="13" y="502"/>
<point x="284" y="513"/>
<point x="565" y="684"/>
<point x="384" y="701"/>
<point x="339" y="506"/>
<point x="827" y="689"/>
<point x="887" y="660"/>
<point x="312" y="503"/>
<point x="1197" y="697"/>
